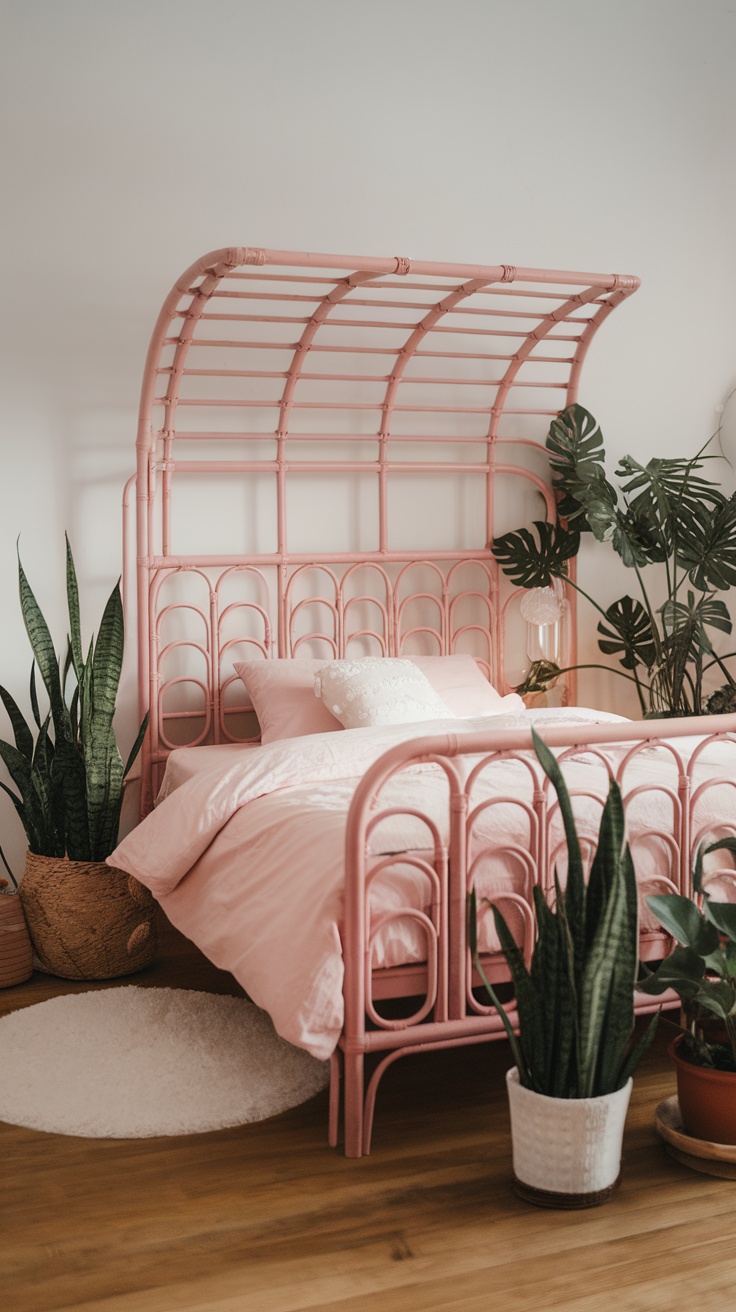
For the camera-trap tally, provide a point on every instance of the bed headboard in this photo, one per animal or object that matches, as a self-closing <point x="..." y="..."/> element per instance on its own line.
<point x="326" y="446"/>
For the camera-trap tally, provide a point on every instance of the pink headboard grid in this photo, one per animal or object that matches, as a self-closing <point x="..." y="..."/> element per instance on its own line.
<point x="326" y="446"/>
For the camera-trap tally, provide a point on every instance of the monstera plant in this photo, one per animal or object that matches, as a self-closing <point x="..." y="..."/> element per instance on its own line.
<point x="666" y="516"/>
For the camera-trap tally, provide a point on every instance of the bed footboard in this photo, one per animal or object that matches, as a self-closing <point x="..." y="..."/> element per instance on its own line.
<point x="498" y="830"/>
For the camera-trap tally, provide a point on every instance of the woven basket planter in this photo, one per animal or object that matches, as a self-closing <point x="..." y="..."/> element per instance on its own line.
<point x="16" y="956"/>
<point x="87" y="920"/>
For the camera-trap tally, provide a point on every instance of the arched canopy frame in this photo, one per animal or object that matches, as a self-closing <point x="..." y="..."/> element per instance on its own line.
<point x="408" y="376"/>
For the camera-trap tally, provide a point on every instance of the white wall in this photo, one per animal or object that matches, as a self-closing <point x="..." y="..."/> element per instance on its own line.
<point x="568" y="133"/>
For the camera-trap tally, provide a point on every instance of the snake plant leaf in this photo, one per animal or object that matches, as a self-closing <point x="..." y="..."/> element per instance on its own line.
<point x="605" y="864"/>
<point x="472" y="939"/>
<point x="72" y="595"/>
<point x="544" y="975"/>
<point x="531" y="1028"/>
<point x="617" y="1022"/>
<point x="638" y="1051"/>
<point x="22" y="811"/>
<point x="136" y="746"/>
<point x="104" y="777"/>
<point x="707" y="546"/>
<point x="21" y="732"/>
<point x="568" y="997"/>
<point x="574" y="902"/>
<point x="108" y="655"/>
<point x="34" y="696"/>
<point x="532" y="563"/>
<point x="43" y="651"/>
<point x="587" y="499"/>
<point x="17" y="765"/>
<point x="628" y="634"/>
<point x="682" y="919"/>
<point x="607" y="994"/>
<point x="68" y="777"/>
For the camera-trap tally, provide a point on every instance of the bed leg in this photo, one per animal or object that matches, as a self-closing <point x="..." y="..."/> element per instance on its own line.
<point x="334" y="1112"/>
<point x="354" y="1093"/>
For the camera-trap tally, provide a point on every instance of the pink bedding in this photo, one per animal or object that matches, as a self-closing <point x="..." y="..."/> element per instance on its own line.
<point x="245" y="852"/>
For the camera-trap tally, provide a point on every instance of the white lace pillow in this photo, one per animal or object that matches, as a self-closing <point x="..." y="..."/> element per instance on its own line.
<point x="376" y="691"/>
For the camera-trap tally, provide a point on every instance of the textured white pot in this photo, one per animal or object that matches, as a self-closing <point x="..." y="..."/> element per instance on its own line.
<point x="567" y="1151"/>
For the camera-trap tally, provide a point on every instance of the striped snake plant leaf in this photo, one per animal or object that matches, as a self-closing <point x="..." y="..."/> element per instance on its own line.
<point x="528" y="1002"/>
<point x="136" y="746"/>
<point x="34" y="696"/>
<point x="545" y="975"/>
<point x="72" y="596"/>
<point x="45" y="656"/>
<point x="607" y="988"/>
<point x="68" y="777"/>
<point x="104" y="771"/>
<point x="574" y="902"/>
<point x="568" y="983"/>
<point x="26" y="816"/>
<point x="605" y="864"/>
<point x="107" y="660"/>
<point x="54" y="843"/>
<point x="21" y="732"/>
<point x="472" y="940"/>
<point x="619" y="1022"/>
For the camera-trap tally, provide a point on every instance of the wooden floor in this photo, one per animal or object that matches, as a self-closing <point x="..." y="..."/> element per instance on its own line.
<point x="266" y="1218"/>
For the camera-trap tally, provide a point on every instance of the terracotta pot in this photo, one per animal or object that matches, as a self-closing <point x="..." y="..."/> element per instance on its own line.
<point x="16" y="956"/>
<point x="707" y="1099"/>
<point x="567" y="1151"/>
<point x="86" y="919"/>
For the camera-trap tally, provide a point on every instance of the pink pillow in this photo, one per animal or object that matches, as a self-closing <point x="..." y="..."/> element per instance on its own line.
<point x="282" y="693"/>
<point x="464" y="688"/>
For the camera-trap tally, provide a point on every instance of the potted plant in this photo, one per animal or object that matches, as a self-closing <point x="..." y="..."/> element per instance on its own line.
<point x="16" y="956"/>
<point x="86" y="920"/>
<point x="702" y="971"/>
<point x="664" y="515"/>
<point x="569" y="1089"/>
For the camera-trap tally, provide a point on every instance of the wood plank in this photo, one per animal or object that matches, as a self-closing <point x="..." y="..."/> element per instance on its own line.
<point x="266" y="1218"/>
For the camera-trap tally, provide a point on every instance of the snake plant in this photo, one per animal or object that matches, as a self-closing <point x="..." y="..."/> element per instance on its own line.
<point x="665" y="515"/>
<point x="575" y="1004"/>
<point x="69" y="774"/>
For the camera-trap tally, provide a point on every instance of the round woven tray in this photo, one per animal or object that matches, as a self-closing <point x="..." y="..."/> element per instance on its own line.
<point x="86" y="919"/>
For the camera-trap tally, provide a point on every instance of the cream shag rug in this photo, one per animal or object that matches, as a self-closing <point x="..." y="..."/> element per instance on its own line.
<point x="129" y="1063"/>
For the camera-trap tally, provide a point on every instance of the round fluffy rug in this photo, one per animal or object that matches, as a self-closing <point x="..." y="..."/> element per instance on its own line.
<point x="128" y="1063"/>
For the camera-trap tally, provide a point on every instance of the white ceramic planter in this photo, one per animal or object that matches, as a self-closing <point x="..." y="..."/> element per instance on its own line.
<point x="567" y="1151"/>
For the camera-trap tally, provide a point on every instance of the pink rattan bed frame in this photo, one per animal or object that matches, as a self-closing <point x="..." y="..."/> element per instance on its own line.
<point x="290" y="399"/>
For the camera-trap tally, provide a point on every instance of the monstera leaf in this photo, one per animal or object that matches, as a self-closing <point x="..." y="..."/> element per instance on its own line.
<point x="707" y="546"/>
<point x="695" y="617"/>
<point x="532" y="564"/>
<point x="587" y="498"/>
<point x="630" y="633"/>
<point x="668" y="489"/>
